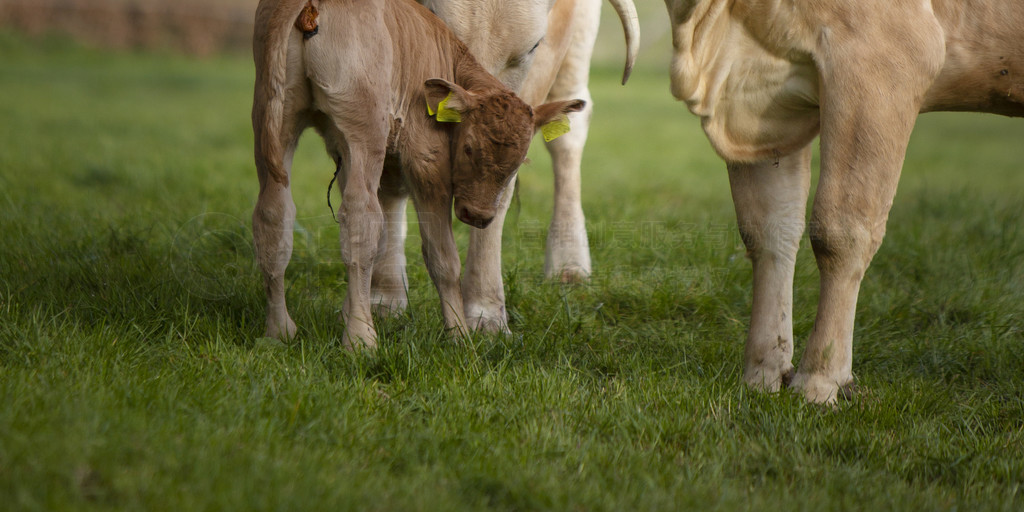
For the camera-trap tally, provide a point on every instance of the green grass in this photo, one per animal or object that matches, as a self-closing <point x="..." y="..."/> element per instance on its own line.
<point x="132" y="374"/>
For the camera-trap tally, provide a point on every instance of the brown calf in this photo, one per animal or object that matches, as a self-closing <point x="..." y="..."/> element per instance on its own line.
<point x="364" y="75"/>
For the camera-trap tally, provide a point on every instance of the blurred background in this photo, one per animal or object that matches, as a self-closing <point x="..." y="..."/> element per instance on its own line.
<point x="206" y="27"/>
<point x="191" y="26"/>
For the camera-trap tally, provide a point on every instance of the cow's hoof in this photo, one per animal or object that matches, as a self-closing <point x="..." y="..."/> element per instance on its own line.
<point x="283" y="329"/>
<point x="849" y="391"/>
<point x="768" y="379"/>
<point x="492" y="325"/>
<point x="568" y="273"/>
<point x="820" y="389"/>
<point x="574" y="275"/>
<point x="567" y="254"/>
<point x="487" y="319"/>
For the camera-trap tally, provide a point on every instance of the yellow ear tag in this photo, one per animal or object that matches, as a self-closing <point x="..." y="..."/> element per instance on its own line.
<point x="555" y="129"/>
<point x="445" y="114"/>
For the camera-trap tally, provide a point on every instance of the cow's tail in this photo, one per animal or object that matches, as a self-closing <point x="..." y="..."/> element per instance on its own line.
<point x="631" y="26"/>
<point x="274" y="23"/>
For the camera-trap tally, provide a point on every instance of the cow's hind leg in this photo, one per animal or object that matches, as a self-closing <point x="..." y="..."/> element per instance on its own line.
<point x="771" y="199"/>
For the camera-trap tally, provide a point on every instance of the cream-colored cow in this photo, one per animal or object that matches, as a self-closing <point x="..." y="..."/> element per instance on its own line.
<point x="767" y="76"/>
<point x="541" y="49"/>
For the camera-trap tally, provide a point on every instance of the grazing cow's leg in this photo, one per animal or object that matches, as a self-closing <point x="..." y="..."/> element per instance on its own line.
<point x="389" y="284"/>
<point x="868" y="107"/>
<point x="567" y="253"/>
<point x="482" y="286"/>
<point x="771" y="200"/>
<point x="440" y="254"/>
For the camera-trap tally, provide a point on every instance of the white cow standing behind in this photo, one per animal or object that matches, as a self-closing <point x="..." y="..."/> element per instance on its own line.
<point x="541" y="49"/>
<point x="766" y="77"/>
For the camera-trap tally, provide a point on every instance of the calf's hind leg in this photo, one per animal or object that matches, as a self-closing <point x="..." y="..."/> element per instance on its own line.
<point x="359" y="147"/>
<point x="361" y="223"/>
<point x="273" y="220"/>
<point x="272" y="223"/>
<point x="770" y="200"/>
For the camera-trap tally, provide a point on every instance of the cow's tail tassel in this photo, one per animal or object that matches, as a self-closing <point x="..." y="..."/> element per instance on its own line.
<point x="307" y="22"/>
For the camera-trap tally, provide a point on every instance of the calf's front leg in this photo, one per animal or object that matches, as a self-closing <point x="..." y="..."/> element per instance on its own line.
<point x="441" y="256"/>
<point x="482" y="286"/>
<point x="567" y="249"/>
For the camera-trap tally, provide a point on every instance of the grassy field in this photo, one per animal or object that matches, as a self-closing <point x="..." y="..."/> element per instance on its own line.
<point x="132" y="374"/>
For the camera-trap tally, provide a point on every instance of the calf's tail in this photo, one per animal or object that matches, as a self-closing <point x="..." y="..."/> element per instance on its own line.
<point x="275" y="19"/>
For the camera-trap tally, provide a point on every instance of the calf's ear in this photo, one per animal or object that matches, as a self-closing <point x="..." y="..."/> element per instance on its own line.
<point x="446" y="100"/>
<point x="552" y="118"/>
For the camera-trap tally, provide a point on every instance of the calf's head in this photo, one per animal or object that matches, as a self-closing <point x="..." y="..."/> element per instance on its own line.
<point x="490" y="141"/>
